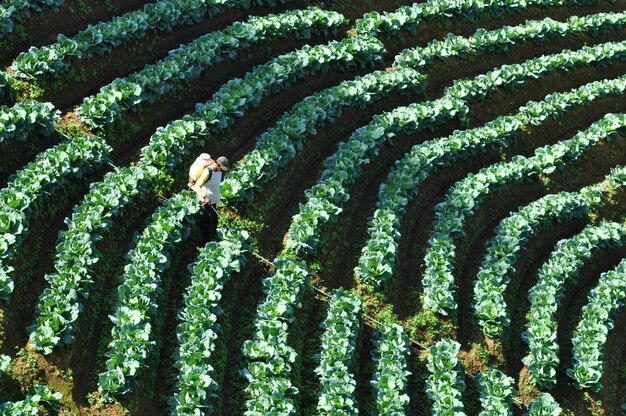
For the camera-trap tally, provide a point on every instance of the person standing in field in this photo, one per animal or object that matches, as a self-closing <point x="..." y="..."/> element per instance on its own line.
<point x="205" y="178"/>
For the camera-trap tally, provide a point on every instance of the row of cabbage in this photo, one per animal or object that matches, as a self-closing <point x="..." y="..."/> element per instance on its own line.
<point x="27" y="119"/>
<point x="391" y="375"/>
<point x="59" y="306"/>
<point x="189" y="61"/>
<point x="562" y="268"/>
<point x="278" y="145"/>
<point x="409" y="17"/>
<point x="269" y="358"/>
<point x="14" y="11"/>
<point x="326" y="197"/>
<point x="198" y="328"/>
<point x="464" y="198"/>
<point x="166" y="147"/>
<point x="508" y="37"/>
<point x="445" y="384"/>
<point x="496" y="393"/>
<point x="57" y="310"/>
<point x="137" y="295"/>
<point x="103" y="37"/>
<point x="606" y="300"/>
<point x="378" y="256"/>
<point x="512" y="235"/>
<point x="48" y="172"/>
<point x="341" y="330"/>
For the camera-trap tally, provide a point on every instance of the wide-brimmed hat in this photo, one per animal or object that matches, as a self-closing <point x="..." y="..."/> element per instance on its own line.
<point x="224" y="163"/>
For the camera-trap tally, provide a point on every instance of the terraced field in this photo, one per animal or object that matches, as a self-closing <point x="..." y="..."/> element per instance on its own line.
<point x="425" y="214"/>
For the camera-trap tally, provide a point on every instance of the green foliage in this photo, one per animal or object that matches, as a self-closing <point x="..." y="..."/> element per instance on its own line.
<point x="7" y="93"/>
<point x="189" y="61"/>
<point x="39" y="396"/>
<point x="168" y="144"/>
<point x="25" y="120"/>
<point x="427" y="327"/>
<point x="391" y="375"/>
<point x="163" y="184"/>
<point x="560" y="269"/>
<point x="268" y="356"/>
<point x="13" y="11"/>
<point x="5" y="360"/>
<point x="445" y="383"/>
<point x="544" y="405"/>
<point x="50" y="170"/>
<point x="408" y="17"/>
<point x="103" y="37"/>
<point x="136" y="303"/>
<point x="511" y="235"/>
<point x="198" y="328"/>
<point x="58" y="307"/>
<point x="606" y="300"/>
<point x="377" y="261"/>
<point x="465" y="196"/>
<point x="341" y="330"/>
<point x="496" y="393"/>
<point x="278" y="145"/>
<point x="326" y="198"/>
<point x="507" y="37"/>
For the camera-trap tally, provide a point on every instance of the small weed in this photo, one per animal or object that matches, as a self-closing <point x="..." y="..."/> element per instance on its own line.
<point x="428" y="328"/>
<point x="594" y="406"/>
<point x="164" y="184"/>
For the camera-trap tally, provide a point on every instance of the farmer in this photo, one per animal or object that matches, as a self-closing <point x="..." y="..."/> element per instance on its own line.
<point x="206" y="183"/>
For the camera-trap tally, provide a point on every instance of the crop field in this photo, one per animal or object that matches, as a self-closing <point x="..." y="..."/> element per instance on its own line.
<point x="425" y="212"/>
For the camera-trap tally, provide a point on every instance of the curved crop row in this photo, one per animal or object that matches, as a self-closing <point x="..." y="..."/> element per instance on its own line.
<point x="445" y="382"/>
<point x="12" y="11"/>
<point x="391" y="375"/>
<point x="408" y="17"/>
<point x="59" y="304"/>
<point x="341" y="326"/>
<point x="278" y="145"/>
<point x="198" y="326"/>
<point x="268" y="356"/>
<point x="507" y="37"/>
<point x="51" y="169"/>
<point x="131" y="343"/>
<point x="565" y="60"/>
<point x="326" y="197"/>
<point x="378" y="256"/>
<point x="465" y="196"/>
<point x="189" y="61"/>
<point x="165" y="150"/>
<point x="102" y="38"/>
<point x="560" y="269"/>
<point x="606" y="300"/>
<point x="25" y="119"/>
<point x="166" y="147"/>
<point x="496" y="393"/>
<point x="513" y="233"/>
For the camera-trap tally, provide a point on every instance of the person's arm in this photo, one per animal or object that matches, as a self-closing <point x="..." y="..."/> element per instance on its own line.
<point x="197" y="187"/>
